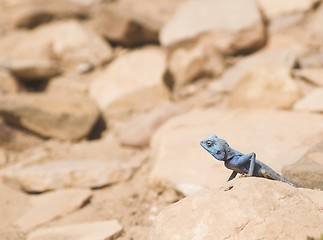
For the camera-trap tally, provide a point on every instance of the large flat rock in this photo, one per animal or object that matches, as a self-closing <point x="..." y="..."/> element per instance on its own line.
<point x="49" y="206"/>
<point x="252" y="209"/>
<point x="36" y="53"/>
<point x="66" y="174"/>
<point x="235" y="25"/>
<point x="134" y="81"/>
<point x="104" y="230"/>
<point x="277" y="137"/>
<point x="261" y="80"/>
<point x="308" y="170"/>
<point x="62" y="116"/>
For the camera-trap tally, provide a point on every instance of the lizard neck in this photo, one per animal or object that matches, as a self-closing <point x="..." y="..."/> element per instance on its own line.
<point x="230" y="153"/>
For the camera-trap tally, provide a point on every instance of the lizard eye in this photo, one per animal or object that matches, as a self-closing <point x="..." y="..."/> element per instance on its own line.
<point x="218" y="152"/>
<point x="209" y="143"/>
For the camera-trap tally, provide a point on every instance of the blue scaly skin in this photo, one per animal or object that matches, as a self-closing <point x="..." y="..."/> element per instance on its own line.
<point x="245" y="164"/>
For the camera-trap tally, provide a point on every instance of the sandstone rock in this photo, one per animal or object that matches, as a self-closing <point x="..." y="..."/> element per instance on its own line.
<point x="313" y="75"/>
<point x="17" y="140"/>
<point x="231" y="32"/>
<point x="94" y="50"/>
<point x="49" y="206"/>
<point x="33" y="70"/>
<point x="104" y="230"/>
<point x="68" y="84"/>
<point x="187" y="64"/>
<point x="132" y="82"/>
<point x="59" y="116"/>
<point x="313" y="29"/>
<point x="3" y="157"/>
<point x="13" y="204"/>
<point x="123" y="27"/>
<point x="8" y="84"/>
<point x="312" y="102"/>
<point x="179" y="159"/>
<point x="49" y="45"/>
<point x="31" y="13"/>
<point x="263" y="80"/>
<point x="308" y="170"/>
<point x="237" y="214"/>
<point x="157" y="12"/>
<point x="138" y="132"/>
<point x="66" y="174"/>
<point x="284" y="14"/>
<point x="311" y="60"/>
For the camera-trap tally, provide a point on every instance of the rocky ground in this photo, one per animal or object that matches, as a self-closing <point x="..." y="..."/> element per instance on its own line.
<point x="103" y="104"/>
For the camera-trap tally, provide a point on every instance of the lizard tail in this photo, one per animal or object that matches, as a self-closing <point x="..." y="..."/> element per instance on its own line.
<point x="287" y="180"/>
<point x="275" y="176"/>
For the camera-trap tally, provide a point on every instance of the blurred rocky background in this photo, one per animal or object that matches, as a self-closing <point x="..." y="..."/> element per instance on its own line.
<point x="103" y="104"/>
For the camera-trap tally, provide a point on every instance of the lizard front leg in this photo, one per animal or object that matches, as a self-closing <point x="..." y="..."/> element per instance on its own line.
<point x="233" y="175"/>
<point x="248" y="157"/>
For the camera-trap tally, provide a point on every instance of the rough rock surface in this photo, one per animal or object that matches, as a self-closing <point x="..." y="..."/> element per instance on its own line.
<point x="308" y="169"/>
<point x="51" y="115"/>
<point x="284" y="14"/>
<point x="249" y="210"/>
<point x="8" y="84"/>
<point x="189" y="63"/>
<point x="123" y="26"/>
<point x="139" y="130"/>
<point x="33" y="70"/>
<point x="49" y="46"/>
<point x="66" y="174"/>
<point x="231" y="32"/>
<point x="31" y="13"/>
<point x="313" y="75"/>
<point x="104" y="230"/>
<point x="262" y="80"/>
<point x="312" y="102"/>
<point x="13" y="204"/>
<point x="47" y="206"/>
<point x="134" y="74"/>
<point x="14" y="139"/>
<point x="179" y="160"/>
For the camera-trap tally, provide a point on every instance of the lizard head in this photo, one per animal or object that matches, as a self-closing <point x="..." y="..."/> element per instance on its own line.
<point x="215" y="146"/>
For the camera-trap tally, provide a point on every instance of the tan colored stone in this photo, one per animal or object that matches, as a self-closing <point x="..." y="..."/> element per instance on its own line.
<point x="308" y="170"/>
<point x="33" y="70"/>
<point x="231" y="32"/>
<point x="49" y="206"/>
<point x="17" y="140"/>
<point x="13" y="204"/>
<point x="274" y="8"/>
<point x="312" y="102"/>
<point x="282" y="14"/>
<point x="158" y="11"/>
<point x="264" y="81"/>
<point x="138" y="132"/>
<point x="132" y="82"/>
<point x="313" y="29"/>
<point x="94" y="50"/>
<point x="187" y="64"/>
<point x="123" y="26"/>
<point x="311" y="60"/>
<point x="104" y="230"/>
<point x="179" y="159"/>
<point x="313" y="75"/>
<point x="253" y="208"/>
<point x="67" y="173"/>
<point x="31" y="13"/>
<point x="60" y="116"/>
<point x="58" y="41"/>
<point x="8" y="84"/>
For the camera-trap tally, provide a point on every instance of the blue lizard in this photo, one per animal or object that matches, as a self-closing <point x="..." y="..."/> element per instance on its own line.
<point x="245" y="164"/>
